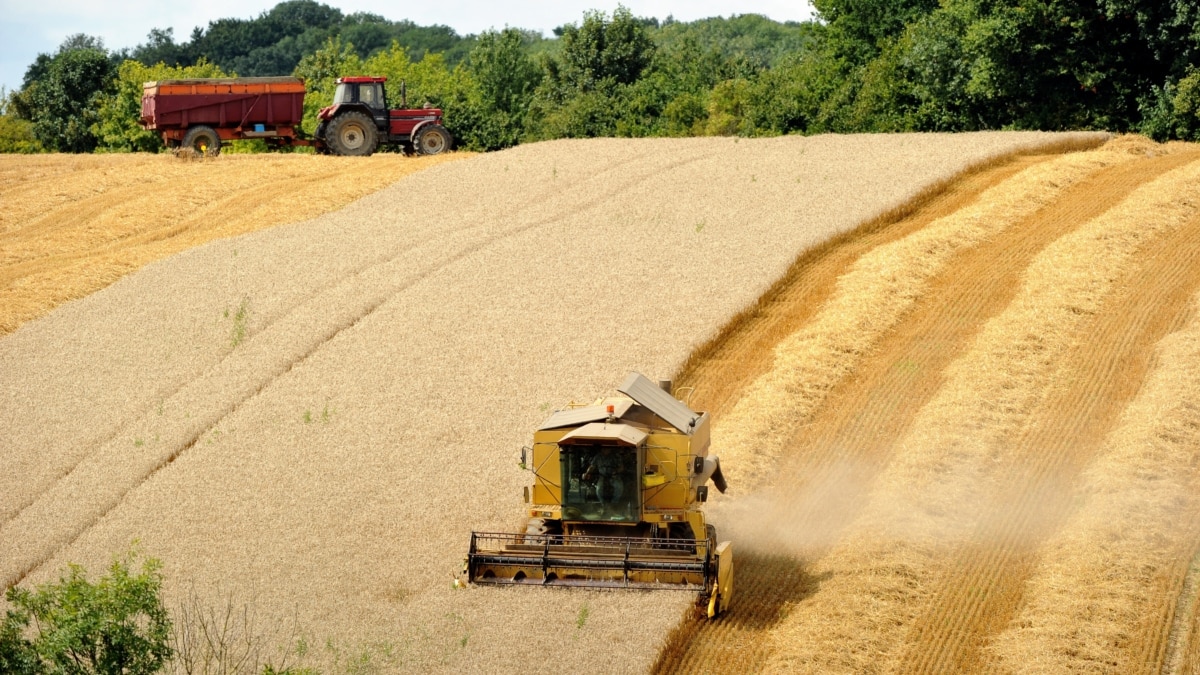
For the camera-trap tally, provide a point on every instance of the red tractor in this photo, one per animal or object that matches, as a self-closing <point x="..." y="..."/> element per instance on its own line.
<point x="359" y="121"/>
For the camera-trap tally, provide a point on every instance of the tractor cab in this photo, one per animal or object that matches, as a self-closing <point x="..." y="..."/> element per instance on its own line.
<point x="367" y="94"/>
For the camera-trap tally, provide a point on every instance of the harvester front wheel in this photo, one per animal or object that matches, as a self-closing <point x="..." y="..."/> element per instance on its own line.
<point x="203" y="141"/>
<point x="722" y="591"/>
<point x="352" y="134"/>
<point x="432" y="140"/>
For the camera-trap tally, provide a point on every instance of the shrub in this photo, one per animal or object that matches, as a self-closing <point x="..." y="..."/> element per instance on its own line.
<point x="117" y="625"/>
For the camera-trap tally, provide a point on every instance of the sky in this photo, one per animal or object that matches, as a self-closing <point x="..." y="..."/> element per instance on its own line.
<point x="30" y="27"/>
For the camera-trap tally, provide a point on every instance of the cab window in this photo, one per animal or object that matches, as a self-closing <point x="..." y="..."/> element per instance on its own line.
<point x="371" y="95"/>
<point x="600" y="483"/>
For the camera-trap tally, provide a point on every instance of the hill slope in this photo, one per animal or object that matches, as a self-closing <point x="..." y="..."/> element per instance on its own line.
<point x="315" y="416"/>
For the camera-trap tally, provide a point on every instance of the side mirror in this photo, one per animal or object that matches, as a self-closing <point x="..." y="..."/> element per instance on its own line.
<point x="698" y="465"/>
<point x="702" y="493"/>
<point x="524" y="458"/>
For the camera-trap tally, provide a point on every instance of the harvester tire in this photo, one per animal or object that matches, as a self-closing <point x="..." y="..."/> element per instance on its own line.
<point x="432" y="139"/>
<point x="352" y="134"/>
<point x="202" y="141"/>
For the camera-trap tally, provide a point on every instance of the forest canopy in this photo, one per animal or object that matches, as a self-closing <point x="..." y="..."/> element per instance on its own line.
<point x="859" y="66"/>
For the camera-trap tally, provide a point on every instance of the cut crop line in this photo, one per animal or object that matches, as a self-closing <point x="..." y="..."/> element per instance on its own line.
<point x="917" y="508"/>
<point x="1048" y="448"/>
<point x="1128" y="497"/>
<point x="871" y="298"/>
<point x="1186" y="609"/>
<point x="813" y="274"/>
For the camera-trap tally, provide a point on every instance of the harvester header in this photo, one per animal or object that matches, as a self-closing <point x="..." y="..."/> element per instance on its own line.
<point x="615" y="501"/>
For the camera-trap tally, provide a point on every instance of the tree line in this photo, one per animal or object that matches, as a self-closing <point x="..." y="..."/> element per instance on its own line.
<point x="859" y="66"/>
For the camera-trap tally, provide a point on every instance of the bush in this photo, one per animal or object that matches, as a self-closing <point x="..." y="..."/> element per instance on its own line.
<point x="116" y="626"/>
<point x="16" y="136"/>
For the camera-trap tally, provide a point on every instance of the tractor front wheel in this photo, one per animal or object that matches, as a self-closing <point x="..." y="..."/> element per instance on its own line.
<point x="202" y="141"/>
<point x="432" y="140"/>
<point x="352" y="134"/>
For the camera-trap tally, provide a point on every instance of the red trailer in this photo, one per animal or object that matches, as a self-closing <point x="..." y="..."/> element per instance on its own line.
<point x="201" y="113"/>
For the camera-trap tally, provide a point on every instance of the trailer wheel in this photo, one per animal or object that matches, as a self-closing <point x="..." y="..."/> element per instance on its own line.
<point x="203" y="141"/>
<point x="432" y="140"/>
<point x="352" y="134"/>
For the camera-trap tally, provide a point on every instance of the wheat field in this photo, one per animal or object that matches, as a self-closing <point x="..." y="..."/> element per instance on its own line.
<point x="977" y="340"/>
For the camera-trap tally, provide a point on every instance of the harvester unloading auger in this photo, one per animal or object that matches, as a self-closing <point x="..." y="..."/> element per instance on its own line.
<point x="615" y="502"/>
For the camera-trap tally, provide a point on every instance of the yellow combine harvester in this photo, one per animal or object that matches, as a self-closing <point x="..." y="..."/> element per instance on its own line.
<point x="616" y="494"/>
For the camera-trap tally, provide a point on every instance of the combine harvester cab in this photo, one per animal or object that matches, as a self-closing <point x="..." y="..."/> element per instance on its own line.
<point x="615" y="502"/>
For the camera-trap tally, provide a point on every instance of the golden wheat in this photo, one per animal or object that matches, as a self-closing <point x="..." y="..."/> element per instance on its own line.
<point x="938" y="486"/>
<point x="1136" y="516"/>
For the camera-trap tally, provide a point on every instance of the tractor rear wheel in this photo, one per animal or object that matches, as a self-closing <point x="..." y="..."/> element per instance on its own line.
<point x="352" y="134"/>
<point x="202" y="141"/>
<point x="432" y="139"/>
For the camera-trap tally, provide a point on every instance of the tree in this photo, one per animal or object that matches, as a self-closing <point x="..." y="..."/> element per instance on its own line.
<point x="506" y="75"/>
<point x="753" y="38"/>
<point x="958" y="65"/>
<point x="586" y="84"/>
<point x="116" y="626"/>
<point x="160" y="47"/>
<point x="60" y="94"/>
<point x="505" y="79"/>
<point x="860" y="29"/>
<point x="16" y="136"/>
<point x="604" y="50"/>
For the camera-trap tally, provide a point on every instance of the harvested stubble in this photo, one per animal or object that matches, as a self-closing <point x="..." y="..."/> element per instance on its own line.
<point x="1132" y="536"/>
<point x="395" y="356"/>
<point x="931" y="495"/>
<point x="73" y="224"/>
<point x="887" y="602"/>
<point x="880" y="575"/>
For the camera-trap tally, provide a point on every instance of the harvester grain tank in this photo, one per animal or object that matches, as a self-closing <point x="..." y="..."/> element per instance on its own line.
<point x="616" y="502"/>
<point x="201" y="114"/>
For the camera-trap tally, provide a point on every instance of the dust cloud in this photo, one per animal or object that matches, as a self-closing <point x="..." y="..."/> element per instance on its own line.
<point x="807" y="515"/>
